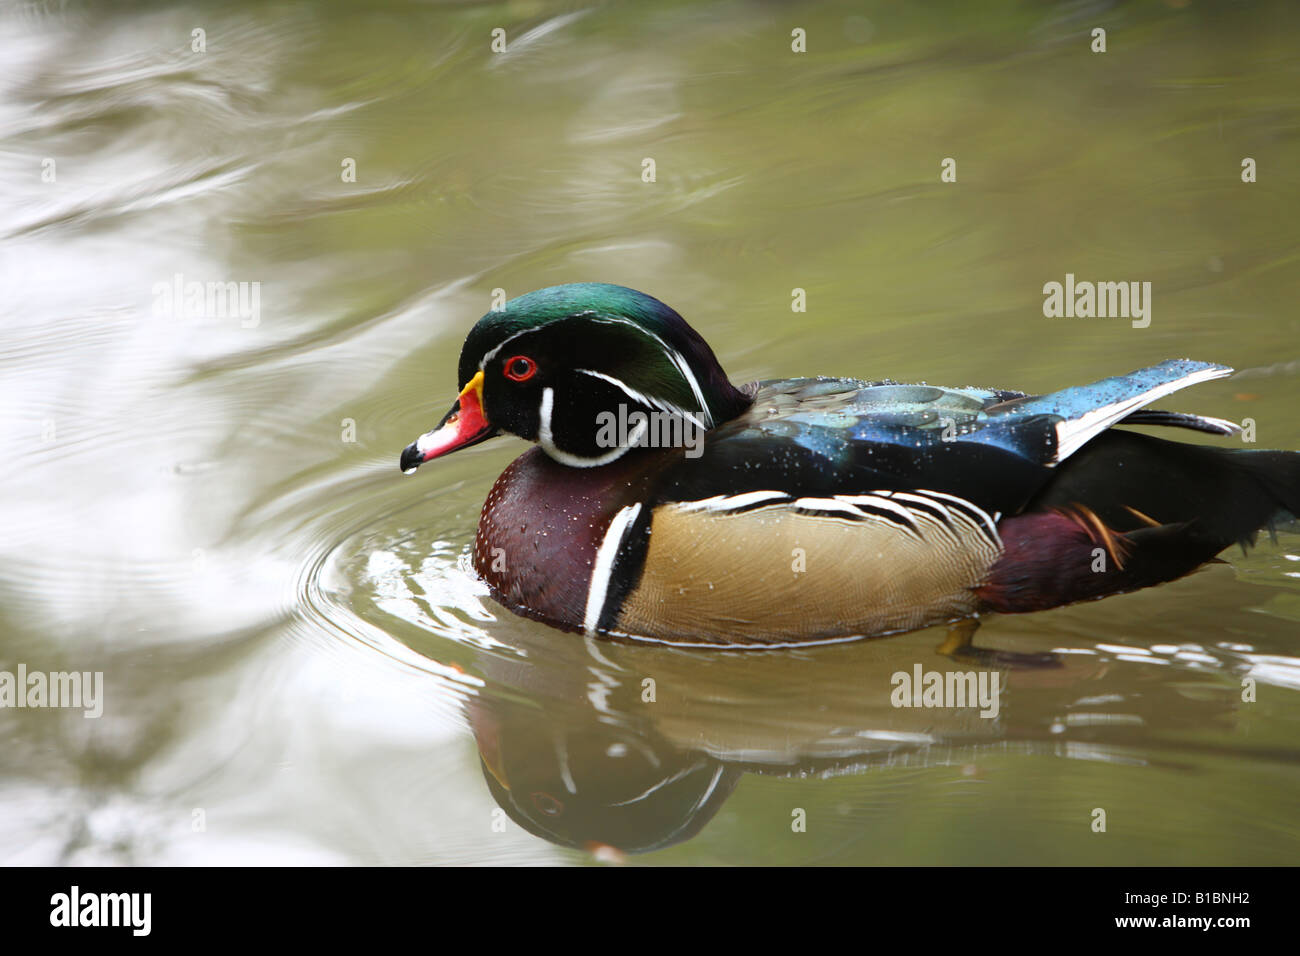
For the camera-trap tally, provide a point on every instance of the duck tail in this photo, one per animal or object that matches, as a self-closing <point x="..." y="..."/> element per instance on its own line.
<point x="1278" y="474"/>
<point x="1129" y="511"/>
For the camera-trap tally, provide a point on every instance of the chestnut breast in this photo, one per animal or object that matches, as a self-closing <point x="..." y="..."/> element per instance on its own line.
<point x="543" y="523"/>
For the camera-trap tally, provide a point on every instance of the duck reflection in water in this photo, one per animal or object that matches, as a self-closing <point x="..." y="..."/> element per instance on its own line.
<point x="619" y="749"/>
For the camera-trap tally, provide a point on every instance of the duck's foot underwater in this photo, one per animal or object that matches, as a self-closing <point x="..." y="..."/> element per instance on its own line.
<point x="959" y="645"/>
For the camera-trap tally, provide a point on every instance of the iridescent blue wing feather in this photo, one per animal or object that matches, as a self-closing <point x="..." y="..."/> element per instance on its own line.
<point x="993" y="447"/>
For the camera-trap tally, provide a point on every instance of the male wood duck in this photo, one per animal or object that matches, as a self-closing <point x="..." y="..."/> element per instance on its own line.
<point x="816" y="509"/>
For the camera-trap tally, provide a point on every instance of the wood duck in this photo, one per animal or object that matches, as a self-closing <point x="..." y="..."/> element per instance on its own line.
<point x="664" y="503"/>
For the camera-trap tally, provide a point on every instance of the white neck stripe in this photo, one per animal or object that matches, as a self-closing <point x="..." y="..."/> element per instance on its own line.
<point x="546" y="438"/>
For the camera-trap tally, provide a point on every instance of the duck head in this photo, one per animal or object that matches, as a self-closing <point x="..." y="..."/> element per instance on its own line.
<point x="559" y="366"/>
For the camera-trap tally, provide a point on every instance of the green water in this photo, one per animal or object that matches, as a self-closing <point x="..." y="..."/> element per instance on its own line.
<point x="298" y="667"/>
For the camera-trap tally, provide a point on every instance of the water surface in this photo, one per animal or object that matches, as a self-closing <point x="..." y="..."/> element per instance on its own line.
<point x="208" y="509"/>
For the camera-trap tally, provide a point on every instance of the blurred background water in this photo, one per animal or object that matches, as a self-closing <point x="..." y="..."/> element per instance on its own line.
<point x="298" y="666"/>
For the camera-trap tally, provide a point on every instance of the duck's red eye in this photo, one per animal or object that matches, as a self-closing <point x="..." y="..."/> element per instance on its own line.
<point x="520" y="368"/>
<point x="547" y="804"/>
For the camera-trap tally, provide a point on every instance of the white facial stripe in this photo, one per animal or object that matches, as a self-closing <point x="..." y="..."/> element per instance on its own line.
<point x="492" y="353"/>
<point x="643" y="399"/>
<point x="604" y="566"/>
<point x="546" y="438"/>
<point x="544" y="416"/>
<point x="677" y="361"/>
<point x="690" y="379"/>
